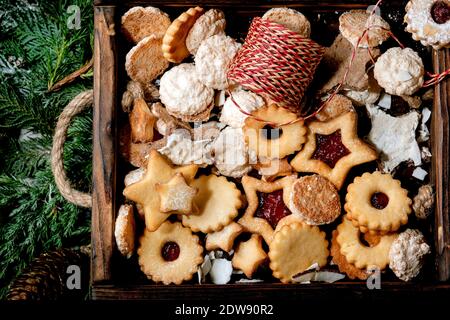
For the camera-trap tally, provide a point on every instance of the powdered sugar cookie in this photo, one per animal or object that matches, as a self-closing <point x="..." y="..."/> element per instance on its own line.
<point x="291" y="19"/>
<point x="145" y="61"/>
<point x="246" y="100"/>
<point x="210" y="23"/>
<point x="353" y="23"/>
<point x="212" y="60"/>
<point x="139" y="22"/>
<point x="399" y="71"/>
<point x="183" y="94"/>
<point x="429" y="22"/>
<point x="124" y="230"/>
<point x="231" y="155"/>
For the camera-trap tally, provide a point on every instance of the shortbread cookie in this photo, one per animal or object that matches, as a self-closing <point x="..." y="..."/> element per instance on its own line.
<point x="171" y="254"/>
<point x="145" y="61"/>
<point x="210" y="23"/>
<point x="278" y="139"/>
<point x="240" y="100"/>
<point x="218" y="202"/>
<point x="142" y="122"/>
<point x="249" y="255"/>
<point x="139" y="22"/>
<point x="356" y="253"/>
<point x="333" y="148"/>
<point x="353" y="23"/>
<point x="183" y="94"/>
<point x="407" y="254"/>
<point x="231" y="155"/>
<point x="295" y="248"/>
<point x="337" y="106"/>
<point x="429" y="22"/>
<point x="223" y="239"/>
<point x="212" y="59"/>
<point x="270" y="169"/>
<point x="291" y="19"/>
<point x="174" y="42"/>
<point x="144" y="191"/>
<point x="344" y="266"/>
<point x="267" y="204"/>
<point x="399" y="71"/>
<point x="176" y="196"/>
<point x="124" y="230"/>
<point x="376" y="202"/>
<point x="315" y="199"/>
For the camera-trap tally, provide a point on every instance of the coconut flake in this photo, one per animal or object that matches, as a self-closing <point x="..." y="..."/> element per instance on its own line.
<point x="394" y="137"/>
<point x="249" y="281"/>
<point x="419" y="173"/>
<point x="385" y="101"/>
<point x="424" y="133"/>
<point x="204" y="269"/>
<point x="221" y="271"/>
<point x="318" y="276"/>
<point x="404" y="75"/>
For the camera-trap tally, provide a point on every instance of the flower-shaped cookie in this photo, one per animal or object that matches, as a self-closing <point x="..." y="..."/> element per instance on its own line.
<point x="144" y="192"/>
<point x="333" y="148"/>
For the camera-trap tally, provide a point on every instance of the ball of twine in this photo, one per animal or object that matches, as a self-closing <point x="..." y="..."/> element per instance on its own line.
<point x="276" y="63"/>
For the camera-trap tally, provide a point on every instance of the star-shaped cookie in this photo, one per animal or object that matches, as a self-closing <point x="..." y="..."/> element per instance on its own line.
<point x="333" y="148"/>
<point x="224" y="238"/>
<point x="176" y="196"/>
<point x="249" y="255"/>
<point x="144" y="193"/>
<point x="254" y="188"/>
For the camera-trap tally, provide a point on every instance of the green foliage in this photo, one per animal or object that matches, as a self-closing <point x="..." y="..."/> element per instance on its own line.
<point x="37" y="49"/>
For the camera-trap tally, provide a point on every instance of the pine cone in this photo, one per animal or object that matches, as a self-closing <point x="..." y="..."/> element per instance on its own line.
<point x="45" y="278"/>
<point x="424" y="202"/>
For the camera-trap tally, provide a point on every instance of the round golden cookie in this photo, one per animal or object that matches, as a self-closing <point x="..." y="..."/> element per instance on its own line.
<point x="315" y="199"/>
<point x="282" y="142"/>
<point x="344" y="266"/>
<point x="139" y="22"/>
<point x="376" y="202"/>
<point x="294" y="248"/>
<point x="145" y="60"/>
<point x="217" y="200"/>
<point x="291" y="19"/>
<point x="356" y="253"/>
<point x="353" y="23"/>
<point x="171" y="254"/>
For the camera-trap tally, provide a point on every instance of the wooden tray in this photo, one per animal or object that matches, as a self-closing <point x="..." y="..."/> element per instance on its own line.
<point x="109" y="77"/>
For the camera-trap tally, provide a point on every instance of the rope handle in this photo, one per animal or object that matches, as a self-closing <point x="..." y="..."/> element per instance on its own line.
<point x="81" y="102"/>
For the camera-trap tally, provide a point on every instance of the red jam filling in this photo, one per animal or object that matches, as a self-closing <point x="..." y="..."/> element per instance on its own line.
<point x="379" y="200"/>
<point x="440" y="12"/>
<point x="329" y="148"/>
<point x="170" y="251"/>
<point x="272" y="208"/>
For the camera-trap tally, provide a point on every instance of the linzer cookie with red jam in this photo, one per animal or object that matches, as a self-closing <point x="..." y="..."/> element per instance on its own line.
<point x="238" y="182"/>
<point x="333" y="148"/>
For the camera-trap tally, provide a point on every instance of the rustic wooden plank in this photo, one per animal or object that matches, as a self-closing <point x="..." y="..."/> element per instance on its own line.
<point x="104" y="154"/>
<point x="440" y="138"/>
<point x="275" y="291"/>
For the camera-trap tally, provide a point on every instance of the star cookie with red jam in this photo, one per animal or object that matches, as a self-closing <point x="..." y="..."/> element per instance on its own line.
<point x="333" y="148"/>
<point x="267" y="205"/>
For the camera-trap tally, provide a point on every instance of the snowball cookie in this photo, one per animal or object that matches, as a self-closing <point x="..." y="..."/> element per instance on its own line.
<point x="399" y="71"/>
<point x="231" y="155"/>
<point x="291" y="19"/>
<point x="212" y="60"/>
<point x="183" y="94"/>
<point x="353" y="23"/>
<point x="248" y="101"/>
<point x="210" y="23"/>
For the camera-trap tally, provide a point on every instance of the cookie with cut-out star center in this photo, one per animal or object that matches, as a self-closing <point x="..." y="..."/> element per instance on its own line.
<point x="267" y="205"/>
<point x="144" y="193"/>
<point x="333" y="148"/>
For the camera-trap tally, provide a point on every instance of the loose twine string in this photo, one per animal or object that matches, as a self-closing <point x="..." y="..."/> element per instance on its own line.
<point x="435" y="78"/>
